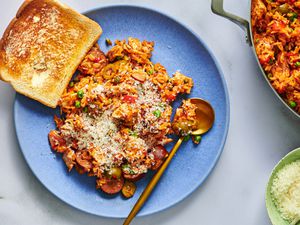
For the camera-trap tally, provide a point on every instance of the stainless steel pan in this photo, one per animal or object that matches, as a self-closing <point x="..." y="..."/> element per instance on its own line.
<point x="217" y="8"/>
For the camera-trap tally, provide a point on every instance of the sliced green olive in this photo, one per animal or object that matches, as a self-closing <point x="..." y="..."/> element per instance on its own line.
<point x="284" y="8"/>
<point x="115" y="172"/>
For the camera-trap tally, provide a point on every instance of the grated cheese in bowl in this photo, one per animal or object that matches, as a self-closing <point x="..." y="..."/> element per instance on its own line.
<point x="285" y="192"/>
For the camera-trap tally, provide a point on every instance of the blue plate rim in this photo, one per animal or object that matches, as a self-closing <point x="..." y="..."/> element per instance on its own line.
<point x="223" y="141"/>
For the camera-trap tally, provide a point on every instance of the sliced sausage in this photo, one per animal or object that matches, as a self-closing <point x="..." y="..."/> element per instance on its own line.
<point x="160" y="153"/>
<point x="110" y="185"/>
<point x="133" y="177"/>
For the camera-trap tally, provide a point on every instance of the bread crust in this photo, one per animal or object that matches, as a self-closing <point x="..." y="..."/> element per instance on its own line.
<point x="42" y="47"/>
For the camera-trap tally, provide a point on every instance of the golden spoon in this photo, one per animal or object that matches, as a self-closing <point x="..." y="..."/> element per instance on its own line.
<point x="205" y="119"/>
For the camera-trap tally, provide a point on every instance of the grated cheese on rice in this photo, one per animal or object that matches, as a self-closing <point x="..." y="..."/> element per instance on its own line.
<point x="116" y="114"/>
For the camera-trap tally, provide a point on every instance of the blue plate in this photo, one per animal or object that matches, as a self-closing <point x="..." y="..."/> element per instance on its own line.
<point x="177" y="48"/>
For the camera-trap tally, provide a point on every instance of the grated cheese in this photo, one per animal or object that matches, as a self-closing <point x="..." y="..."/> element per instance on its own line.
<point x="285" y="191"/>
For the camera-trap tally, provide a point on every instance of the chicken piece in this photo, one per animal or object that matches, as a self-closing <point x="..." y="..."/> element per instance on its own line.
<point x="258" y="11"/>
<point x="69" y="158"/>
<point x="264" y="49"/>
<point x="126" y="114"/>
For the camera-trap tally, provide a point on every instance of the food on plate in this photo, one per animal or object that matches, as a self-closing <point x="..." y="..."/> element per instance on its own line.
<point x="276" y="35"/>
<point x="42" y="48"/>
<point x="128" y="189"/>
<point x="116" y="115"/>
<point x="196" y="139"/>
<point x="285" y="191"/>
<point x="185" y="119"/>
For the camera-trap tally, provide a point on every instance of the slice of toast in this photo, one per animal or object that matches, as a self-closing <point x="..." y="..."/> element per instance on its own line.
<point x="42" y="48"/>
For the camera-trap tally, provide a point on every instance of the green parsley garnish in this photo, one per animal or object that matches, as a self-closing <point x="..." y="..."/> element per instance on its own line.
<point x="119" y="58"/>
<point x="133" y="133"/>
<point x="293" y="16"/>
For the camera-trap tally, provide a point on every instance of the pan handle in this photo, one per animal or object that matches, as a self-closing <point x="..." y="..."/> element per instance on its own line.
<point x="217" y="8"/>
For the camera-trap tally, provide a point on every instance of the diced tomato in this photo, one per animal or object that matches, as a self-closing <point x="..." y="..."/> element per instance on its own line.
<point x="277" y="26"/>
<point x="171" y="98"/>
<point x="97" y="59"/>
<point x="264" y="60"/>
<point x="129" y="99"/>
<point x="288" y="54"/>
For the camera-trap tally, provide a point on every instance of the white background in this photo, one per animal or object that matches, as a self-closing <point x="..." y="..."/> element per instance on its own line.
<point x="261" y="133"/>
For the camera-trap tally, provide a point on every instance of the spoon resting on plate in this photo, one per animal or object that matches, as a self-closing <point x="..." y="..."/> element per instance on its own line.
<point x="204" y="117"/>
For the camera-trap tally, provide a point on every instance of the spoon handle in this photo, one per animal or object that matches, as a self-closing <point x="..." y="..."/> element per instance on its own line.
<point x="144" y="196"/>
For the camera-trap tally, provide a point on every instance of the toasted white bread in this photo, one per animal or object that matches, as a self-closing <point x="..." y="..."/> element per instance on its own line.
<point x="42" y="48"/>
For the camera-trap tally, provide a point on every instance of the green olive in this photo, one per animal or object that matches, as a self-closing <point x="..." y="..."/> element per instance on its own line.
<point x="284" y="8"/>
<point x="116" y="172"/>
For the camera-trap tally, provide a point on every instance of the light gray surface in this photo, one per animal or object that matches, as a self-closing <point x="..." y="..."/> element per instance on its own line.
<point x="261" y="132"/>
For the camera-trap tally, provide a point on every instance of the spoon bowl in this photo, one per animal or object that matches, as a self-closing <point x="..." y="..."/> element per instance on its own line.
<point x="205" y="116"/>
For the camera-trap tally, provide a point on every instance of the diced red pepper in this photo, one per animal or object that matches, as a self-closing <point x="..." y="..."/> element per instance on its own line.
<point x="97" y="59"/>
<point x="129" y="99"/>
<point x="264" y="60"/>
<point x="171" y="98"/>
